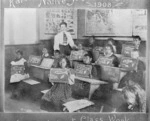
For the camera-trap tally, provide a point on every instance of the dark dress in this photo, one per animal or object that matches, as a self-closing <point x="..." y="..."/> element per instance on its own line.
<point x="107" y="89"/>
<point x="115" y="61"/>
<point x="91" y="47"/>
<point x="15" y="87"/>
<point x="81" y="88"/>
<point x="56" y="63"/>
<point x="58" y="94"/>
<point x="136" y="76"/>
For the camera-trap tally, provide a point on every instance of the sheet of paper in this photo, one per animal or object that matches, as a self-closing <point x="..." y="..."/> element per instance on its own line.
<point x="42" y="67"/>
<point x="31" y="82"/>
<point x="77" y="104"/>
<point x="45" y="91"/>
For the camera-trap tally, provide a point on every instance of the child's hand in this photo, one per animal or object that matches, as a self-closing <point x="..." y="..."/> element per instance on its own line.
<point x="71" y="79"/>
<point x="93" y="63"/>
<point x="12" y="63"/>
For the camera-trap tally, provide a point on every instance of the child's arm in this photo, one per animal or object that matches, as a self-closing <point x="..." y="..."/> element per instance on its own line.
<point x="94" y="73"/>
<point x="26" y="68"/>
<point x="71" y="78"/>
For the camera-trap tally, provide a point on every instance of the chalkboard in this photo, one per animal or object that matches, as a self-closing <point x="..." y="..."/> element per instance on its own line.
<point x="104" y="61"/>
<point x="108" y="22"/>
<point x="47" y="63"/>
<point x="83" y="70"/>
<point x="17" y="69"/>
<point x="128" y="63"/>
<point x="127" y="49"/>
<point x="58" y="75"/>
<point x="111" y="74"/>
<point x="34" y="60"/>
<point x="77" y="55"/>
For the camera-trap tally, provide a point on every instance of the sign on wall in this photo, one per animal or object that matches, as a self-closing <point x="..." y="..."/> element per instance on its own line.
<point x="108" y="22"/>
<point x="51" y="18"/>
<point x="140" y="23"/>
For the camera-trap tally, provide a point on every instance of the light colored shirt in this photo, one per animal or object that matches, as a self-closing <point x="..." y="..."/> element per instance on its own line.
<point x="58" y="40"/>
<point x="19" y="62"/>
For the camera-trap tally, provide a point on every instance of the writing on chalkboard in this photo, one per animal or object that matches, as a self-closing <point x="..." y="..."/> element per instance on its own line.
<point x="58" y="75"/>
<point x="83" y="70"/>
<point x="104" y="61"/>
<point x="17" y="69"/>
<point x="128" y="63"/>
<point x="127" y="49"/>
<point x="77" y="55"/>
<point x="34" y="60"/>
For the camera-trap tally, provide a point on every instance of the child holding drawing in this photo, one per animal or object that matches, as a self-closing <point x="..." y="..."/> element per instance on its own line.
<point x="19" y="72"/>
<point x="60" y="92"/>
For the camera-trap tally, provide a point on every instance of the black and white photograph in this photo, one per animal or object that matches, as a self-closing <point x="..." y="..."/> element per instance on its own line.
<point x="76" y="57"/>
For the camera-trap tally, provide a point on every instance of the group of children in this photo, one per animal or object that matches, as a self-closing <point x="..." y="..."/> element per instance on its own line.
<point x="131" y="84"/>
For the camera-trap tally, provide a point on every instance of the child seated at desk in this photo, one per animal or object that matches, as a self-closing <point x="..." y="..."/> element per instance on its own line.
<point x="81" y="50"/>
<point x="60" y="92"/>
<point x="77" y="55"/>
<point x="109" y="53"/>
<point x="87" y="60"/>
<point x="113" y="61"/>
<point x="91" y="43"/>
<point x="45" y="53"/>
<point x="18" y="75"/>
<point x="56" y="58"/>
<point x="137" y="75"/>
<point x="112" y="43"/>
<point x="135" y="97"/>
<point x="84" y="87"/>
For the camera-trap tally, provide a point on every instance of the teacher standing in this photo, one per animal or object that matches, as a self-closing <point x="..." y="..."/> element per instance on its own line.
<point x="63" y="40"/>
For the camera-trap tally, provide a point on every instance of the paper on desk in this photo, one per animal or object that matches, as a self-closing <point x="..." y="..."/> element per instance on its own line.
<point x="77" y="104"/>
<point x="45" y="91"/>
<point x="89" y="80"/>
<point x="31" y="82"/>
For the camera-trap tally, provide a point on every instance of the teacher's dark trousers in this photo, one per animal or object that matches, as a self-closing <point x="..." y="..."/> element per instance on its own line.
<point x="65" y="49"/>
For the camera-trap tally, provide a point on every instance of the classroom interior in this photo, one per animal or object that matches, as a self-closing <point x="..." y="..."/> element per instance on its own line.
<point x="29" y="30"/>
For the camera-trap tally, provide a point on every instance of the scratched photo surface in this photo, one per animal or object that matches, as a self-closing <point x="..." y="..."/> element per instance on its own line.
<point x="99" y="65"/>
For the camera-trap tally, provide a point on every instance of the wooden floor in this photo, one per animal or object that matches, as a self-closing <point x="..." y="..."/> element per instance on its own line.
<point x="25" y="105"/>
<point x="28" y="105"/>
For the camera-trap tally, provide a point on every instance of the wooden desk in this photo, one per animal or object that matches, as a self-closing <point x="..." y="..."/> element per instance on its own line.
<point x="39" y="72"/>
<point x="94" y="84"/>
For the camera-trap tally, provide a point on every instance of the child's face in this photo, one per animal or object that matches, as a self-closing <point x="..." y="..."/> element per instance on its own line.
<point x="44" y="51"/>
<point x="91" y="40"/>
<point x="137" y="41"/>
<point x="56" y="55"/>
<point x="63" y="27"/>
<point x="80" y="47"/>
<point x="108" y="50"/>
<point x="18" y="55"/>
<point x="87" y="60"/>
<point x="63" y="63"/>
<point x="110" y="42"/>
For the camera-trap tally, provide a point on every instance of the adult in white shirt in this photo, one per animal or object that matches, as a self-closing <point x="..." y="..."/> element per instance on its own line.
<point x="63" y="40"/>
